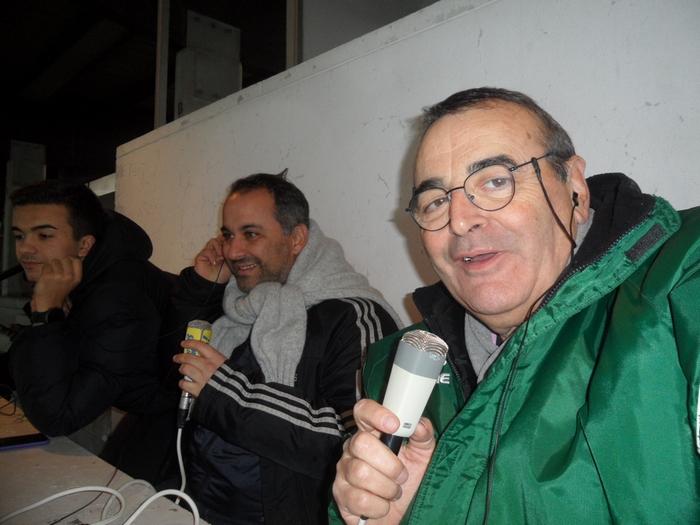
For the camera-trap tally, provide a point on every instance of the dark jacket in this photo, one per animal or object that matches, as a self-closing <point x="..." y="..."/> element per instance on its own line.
<point x="590" y="412"/>
<point x="105" y="353"/>
<point x="264" y="450"/>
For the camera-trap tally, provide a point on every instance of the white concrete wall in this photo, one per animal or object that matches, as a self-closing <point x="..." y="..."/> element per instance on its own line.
<point x="326" y="24"/>
<point x="622" y="77"/>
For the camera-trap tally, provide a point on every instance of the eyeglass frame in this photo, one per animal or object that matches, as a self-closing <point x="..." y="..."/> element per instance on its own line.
<point x="448" y="193"/>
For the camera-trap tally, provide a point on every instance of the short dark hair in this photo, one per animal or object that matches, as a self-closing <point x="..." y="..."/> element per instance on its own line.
<point x="556" y="139"/>
<point x="291" y="206"/>
<point x="85" y="213"/>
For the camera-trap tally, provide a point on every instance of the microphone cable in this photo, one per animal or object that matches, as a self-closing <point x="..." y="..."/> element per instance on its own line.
<point x="510" y="378"/>
<point x="512" y="372"/>
<point x="93" y="500"/>
<point x="10" y="400"/>
<point x="567" y="233"/>
<point x="10" y="272"/>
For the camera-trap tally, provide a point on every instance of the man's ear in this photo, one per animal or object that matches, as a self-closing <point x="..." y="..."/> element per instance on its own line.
<point x="300" y="236"/>
<point x="580" y="196"/>
<point x="85" y="244"/>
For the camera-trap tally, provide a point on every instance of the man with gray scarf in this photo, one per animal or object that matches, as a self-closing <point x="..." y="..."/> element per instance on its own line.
<point x="275" y="388"/>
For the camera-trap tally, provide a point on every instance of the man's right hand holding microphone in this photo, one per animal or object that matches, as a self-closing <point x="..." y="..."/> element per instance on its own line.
<point x="370" y="480"/>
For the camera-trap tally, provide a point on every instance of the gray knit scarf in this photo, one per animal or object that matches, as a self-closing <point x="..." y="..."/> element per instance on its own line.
<point x="274" y="314"/>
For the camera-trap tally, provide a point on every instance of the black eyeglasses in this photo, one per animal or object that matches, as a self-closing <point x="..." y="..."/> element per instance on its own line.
<point x="489" y="188"/>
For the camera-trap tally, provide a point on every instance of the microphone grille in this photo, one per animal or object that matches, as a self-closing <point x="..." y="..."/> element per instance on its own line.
<point x="426" y="342"/>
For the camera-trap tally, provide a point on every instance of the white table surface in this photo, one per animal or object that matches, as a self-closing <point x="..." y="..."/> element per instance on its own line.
<point x="30" y="474"/>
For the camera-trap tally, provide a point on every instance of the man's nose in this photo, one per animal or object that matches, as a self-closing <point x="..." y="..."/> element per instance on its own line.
<point x="234" y="248"/>
<point x="24" y="247"/>
<point x="464" y="215"/>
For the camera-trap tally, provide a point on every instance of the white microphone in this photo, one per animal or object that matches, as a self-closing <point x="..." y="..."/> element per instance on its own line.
<point x="419" y="359"/>
<point x="199" y="331"/>
<point x="418" y="362"/>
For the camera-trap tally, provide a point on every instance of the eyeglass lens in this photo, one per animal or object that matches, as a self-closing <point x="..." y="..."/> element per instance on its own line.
<point x="490" y="188"/>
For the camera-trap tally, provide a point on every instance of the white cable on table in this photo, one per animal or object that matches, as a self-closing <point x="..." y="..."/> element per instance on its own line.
<point x="68" y="492"/>
<point x="168" y="492"/>
<point x="120" y="489"/>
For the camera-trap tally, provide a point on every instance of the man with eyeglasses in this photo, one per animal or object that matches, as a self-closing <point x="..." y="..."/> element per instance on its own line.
<point x="570" y="307"/>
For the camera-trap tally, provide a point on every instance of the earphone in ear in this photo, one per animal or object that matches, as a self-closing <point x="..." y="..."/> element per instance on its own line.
<point x="574" y="198"/>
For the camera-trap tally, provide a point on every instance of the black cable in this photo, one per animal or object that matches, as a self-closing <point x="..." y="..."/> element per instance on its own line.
<point x="502" y="403"/>
<point x="11" y="400"/>
<point x="538" y="173"/>
<point x="6" y="274"/>
<point x="571" y="229"/>
<point x="505" y="393"/>
<point x="9" y="331"/>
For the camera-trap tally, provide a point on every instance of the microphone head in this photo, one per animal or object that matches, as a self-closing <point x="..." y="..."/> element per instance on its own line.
<point x="426" y="342"/>
<point x="198" y="330"/>
<point x="418" y="362"/>
<point x="422" y="353"/>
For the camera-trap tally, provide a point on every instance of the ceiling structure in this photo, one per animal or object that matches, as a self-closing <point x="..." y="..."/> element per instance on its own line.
<point x="79" y="75"/>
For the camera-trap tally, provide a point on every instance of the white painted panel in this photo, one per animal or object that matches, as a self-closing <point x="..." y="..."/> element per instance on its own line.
<point x="622" y="77"/>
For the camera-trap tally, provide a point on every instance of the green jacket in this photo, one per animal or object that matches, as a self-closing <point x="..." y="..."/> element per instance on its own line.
<point x="599" y="420"/>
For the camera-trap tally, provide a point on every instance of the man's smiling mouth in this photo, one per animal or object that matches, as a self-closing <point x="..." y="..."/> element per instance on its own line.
<point x="479" y="258"/>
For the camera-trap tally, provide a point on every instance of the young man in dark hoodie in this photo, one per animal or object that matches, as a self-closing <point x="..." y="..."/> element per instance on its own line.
<point x="96" y="313"/>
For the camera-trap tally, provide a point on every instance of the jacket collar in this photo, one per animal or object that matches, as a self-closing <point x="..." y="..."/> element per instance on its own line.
<point x="445" y="317"/>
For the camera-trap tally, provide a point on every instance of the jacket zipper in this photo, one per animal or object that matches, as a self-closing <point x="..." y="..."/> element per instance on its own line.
<point x="511" y="373"/>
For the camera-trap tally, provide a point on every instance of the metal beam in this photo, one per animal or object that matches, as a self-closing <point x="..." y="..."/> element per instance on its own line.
<point x="293" y="32"/>
<point x="161" y="90"/>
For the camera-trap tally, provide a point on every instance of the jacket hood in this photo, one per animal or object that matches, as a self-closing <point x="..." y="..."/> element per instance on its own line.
<point x="619" y="206"/>
<point x="122" y="240"/>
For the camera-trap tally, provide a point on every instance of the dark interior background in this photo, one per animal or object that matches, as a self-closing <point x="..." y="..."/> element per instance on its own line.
<point x="79" y="75"/>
